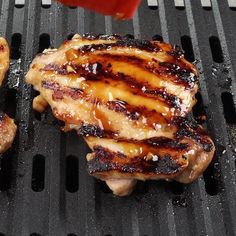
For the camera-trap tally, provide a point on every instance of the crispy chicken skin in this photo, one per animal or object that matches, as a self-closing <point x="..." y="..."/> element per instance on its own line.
<point x="129" y="99"/>
<point x="7" y="126"/>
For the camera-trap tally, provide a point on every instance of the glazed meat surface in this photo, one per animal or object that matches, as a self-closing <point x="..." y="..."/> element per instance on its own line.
<point x="4" y="58"/>
<point x="129" y="99"/>
<point x="7" y="126"/>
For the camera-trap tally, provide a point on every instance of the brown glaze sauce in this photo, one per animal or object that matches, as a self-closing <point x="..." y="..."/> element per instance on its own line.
<point x="106" y="160"/>
<point x="173" y="69"/>
<point x="102" y="119"/>
<point x="132" y="112"/>
<point x="97" y="72"/>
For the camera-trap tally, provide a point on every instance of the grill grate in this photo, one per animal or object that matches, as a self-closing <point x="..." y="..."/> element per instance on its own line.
<point x="44" y="186"/>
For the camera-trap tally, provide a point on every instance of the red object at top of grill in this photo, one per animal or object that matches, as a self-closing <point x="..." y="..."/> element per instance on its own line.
<point x="122" y="9"/>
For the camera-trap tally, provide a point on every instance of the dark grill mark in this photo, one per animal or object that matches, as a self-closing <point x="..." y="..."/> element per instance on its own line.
<point x="174" y="101"/>
<point x="118" y="105"/>
<point x="123" y="58"/>
<point x="57" y="68"/>
<point x="183" y="75"/>
<point x="106" y="160"/>
<point x="50" y="85"/>
<point x="59" y="92"/>
<point x="58" y="95"/>
<point x="102" y="36"/>
<point x="206" y="144"/>
<point x="177" y="52"/>
<point x="165" y="142"/>
<point x="134" y="113"/>
<point x="132" y="43"/>
<point x="189" y="128"/>
<point x="146" y="89"/>
<point x="92" y="130"/>
<point x="138" y="43"/>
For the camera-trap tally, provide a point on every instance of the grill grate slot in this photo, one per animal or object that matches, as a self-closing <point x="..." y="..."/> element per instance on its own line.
<point x="211" y="182"/>
<point x="216" y="49"/>
<point x="177" y="188"/>
<point x="70" y="36"/>
<point x="38" y="173"/>
<point x="187" y="46"/>
<point x="11" y="101"/>
<point x="142" y="188"/>
<point x="103" y="187"/>
<point x="199" y="112"/>
<point x="72" y="175"/>
<point x="129" y="36"/>
<point x="157" y="37"/>
<point x="44" y="42"/>
<point x="229" y="107"/>
<point x="15" y="46"/>
<point x="19" y="3"/>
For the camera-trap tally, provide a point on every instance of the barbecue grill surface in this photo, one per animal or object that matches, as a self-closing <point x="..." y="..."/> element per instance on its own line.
<point x="44" y="185"/>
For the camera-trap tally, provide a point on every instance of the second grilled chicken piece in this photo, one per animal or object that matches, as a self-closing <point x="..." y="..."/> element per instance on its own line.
<point x="4" y="58"/>
<point x="7" y="125"/>
<point x="129" y="99"/>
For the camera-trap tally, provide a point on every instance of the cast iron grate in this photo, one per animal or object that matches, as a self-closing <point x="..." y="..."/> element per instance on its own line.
<point x="44" y="186"/>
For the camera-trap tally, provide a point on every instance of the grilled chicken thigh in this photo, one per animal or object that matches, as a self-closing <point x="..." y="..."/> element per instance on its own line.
<point x="7" y="126"/>
<point x="129" y="99"/>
